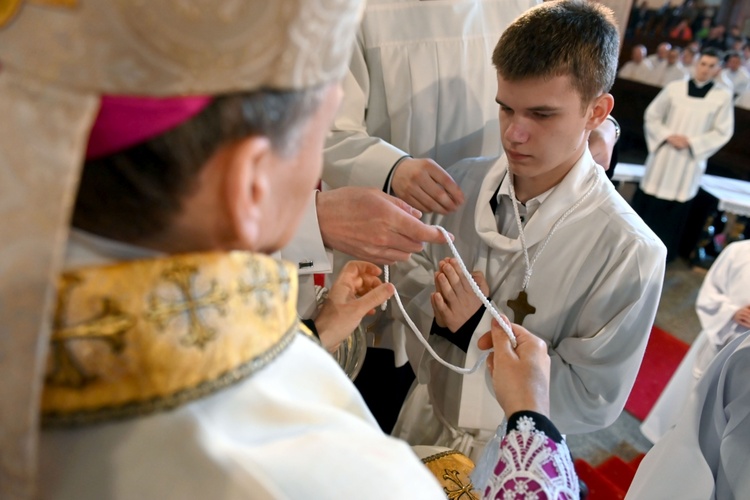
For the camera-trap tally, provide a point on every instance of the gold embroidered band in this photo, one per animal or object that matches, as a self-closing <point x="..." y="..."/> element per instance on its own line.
<point x="141" y="336"/>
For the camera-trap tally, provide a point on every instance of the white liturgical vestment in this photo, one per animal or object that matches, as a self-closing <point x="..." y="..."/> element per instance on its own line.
<point x="296" y="428"/>
<point x="421" y="83"/>
<point x="595" y="287"/>
<point x="708" y="123"/>
<point x="673" y="73"/>
<point x="640" y="72"/>
<point x="724" y="291"/>
<point x="705" y="456"/>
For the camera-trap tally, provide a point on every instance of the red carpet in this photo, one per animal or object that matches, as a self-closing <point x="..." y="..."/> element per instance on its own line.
<point x="663" y="354"/>
<point x="610" y="480"/>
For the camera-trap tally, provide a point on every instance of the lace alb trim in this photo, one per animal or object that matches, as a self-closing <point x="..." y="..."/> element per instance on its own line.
<point x="532" y="466"/>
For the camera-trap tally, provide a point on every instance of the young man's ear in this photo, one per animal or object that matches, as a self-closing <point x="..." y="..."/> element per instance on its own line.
<point x="601" y="108"/>
<point x="246" y="187"/>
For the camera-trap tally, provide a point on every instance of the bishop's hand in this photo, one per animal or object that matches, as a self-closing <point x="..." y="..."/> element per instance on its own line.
<point x="454" y="301"/>
<point x="355" y="294"/>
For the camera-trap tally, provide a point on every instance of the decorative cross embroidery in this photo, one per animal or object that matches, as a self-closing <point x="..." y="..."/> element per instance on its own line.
<point x="162" y="312"/>
<point x="258" y="287"/>
<point x="285" y="282"/>
<point x="521" y="307"/>
<point x="109" y="326"/>
<point x="261" y="288"/>
<point x="462" y="491"/>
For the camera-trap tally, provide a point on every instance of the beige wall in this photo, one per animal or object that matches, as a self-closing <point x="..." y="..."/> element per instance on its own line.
<point x="621" y="8"/>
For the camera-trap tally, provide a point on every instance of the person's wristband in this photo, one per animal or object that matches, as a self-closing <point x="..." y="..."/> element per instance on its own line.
<point x="618" y="130"/>
<point x="387" y="186"/>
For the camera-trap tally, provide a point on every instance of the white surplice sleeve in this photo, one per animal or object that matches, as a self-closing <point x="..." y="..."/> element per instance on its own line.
<point x="705" y="454"/>
<point x="655" y="117"/>
<point x="720" y="131"/>
<point x="352" y="157"/>
<point x="308" y="253"/>
<point x="593" y="373"/>
<point x="715" y="305"/>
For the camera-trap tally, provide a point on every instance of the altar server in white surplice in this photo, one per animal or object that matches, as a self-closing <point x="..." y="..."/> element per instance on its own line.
<point x="704" y="455"/>
<point x="736" y="74"/>
<point x="674" y="70"/>
<point x="594" y="272"/>
<point x="686" y="123"/>
<point x="743" y="101"/>
<point x="418" y="98"/>
<point x="639" y="67"/>
<point x="723" y="307"/>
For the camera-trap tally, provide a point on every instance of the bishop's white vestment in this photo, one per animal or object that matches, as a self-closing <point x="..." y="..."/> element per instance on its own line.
<point x="288" y="423"/>
<point x="595" y="287"/>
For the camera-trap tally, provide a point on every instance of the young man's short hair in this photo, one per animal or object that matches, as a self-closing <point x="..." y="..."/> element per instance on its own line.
<point x="730" y="54"/>
<point x="133" y="195"/>
<point x="712" y="52"/>
<point x="566" y="37"/>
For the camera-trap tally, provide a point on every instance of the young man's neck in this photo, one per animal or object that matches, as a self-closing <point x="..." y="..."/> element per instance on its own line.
<point x="528" y="188"/>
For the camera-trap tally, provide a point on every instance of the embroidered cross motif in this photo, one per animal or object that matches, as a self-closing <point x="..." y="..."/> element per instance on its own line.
<point x="285" y="282"/>
<point x="261" y="288"/>
<point x="162" y="311"/>
<point x="258" y="287"/>
<point x="521" y="307"/>
<point x="463" y="491"/>
<point x="109" y="326"/>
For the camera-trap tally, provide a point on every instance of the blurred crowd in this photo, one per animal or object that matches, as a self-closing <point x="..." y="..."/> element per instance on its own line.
<point x="686" y="30"/>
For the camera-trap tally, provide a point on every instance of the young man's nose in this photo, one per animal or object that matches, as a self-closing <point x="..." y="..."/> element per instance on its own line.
<point x="516" y="132"/>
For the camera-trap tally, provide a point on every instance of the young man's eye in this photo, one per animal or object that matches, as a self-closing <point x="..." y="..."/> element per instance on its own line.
<point x="541" y="115"/>
<point x="505" y="109"/>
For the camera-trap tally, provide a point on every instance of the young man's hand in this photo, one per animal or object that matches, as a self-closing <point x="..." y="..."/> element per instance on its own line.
<point x="355" y="294"/>
<point x="520" y="376"/>
<point x="424" y="184"/>
<point x="742" y="316"/>
<point x="454" y="302"/>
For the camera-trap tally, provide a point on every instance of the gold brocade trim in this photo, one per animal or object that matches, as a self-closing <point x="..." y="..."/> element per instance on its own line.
<point x="452" y="470"/>
<point x="144" y="336"/>
<point x="9" y="8"/>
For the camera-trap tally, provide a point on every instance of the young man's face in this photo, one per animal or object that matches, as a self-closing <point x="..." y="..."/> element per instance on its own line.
<point x="734" y="63"/>
<point x="543" y="128"/>
<point x="638" y="53"/>
<point x="673" y="57"/>
<point x="687" y="58"/>
<point x="663" y="50"/>
<point x="706" y="68"/>
<point x="293" y="179"/>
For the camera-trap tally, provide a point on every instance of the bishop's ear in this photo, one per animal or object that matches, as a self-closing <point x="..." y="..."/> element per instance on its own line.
<point x="601" y="108"/>
<point x="246" y="186"/>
